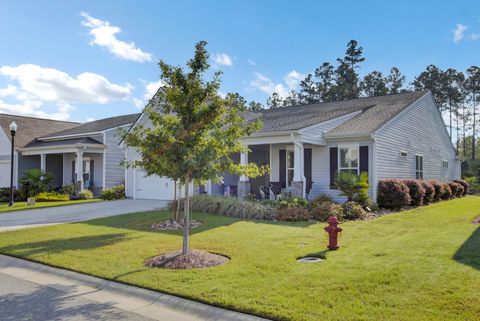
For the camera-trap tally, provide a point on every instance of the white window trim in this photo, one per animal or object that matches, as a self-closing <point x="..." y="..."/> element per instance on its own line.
<point x="423" y="166"/>
<point x="350" y="146"/>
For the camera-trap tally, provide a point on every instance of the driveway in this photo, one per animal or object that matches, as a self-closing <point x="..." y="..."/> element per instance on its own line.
<point x="75" y="213"/>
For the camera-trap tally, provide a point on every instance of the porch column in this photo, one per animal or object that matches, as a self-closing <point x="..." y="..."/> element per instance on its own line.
<point x="43" y="164"/>
<point x="298" y="183"/>
<point x="79" y="170"/>
<point x="243" y="185"/>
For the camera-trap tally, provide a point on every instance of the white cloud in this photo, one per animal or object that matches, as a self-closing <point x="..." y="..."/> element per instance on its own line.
<point x="459" y="32"/>
<point x="475" y="36"/>
<point x="223" y="59"/>
<point x="251" y="62"/>
<point x="265" y="84"/>
<point x="37" y="88"/>
<point x="105" y="35"/>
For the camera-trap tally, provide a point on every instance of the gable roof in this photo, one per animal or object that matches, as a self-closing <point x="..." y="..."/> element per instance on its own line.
<point x="375" y="112"/>
<point x="29" y="128"/>
<point x="62" y="142"/>
<point x="96" y="126"/>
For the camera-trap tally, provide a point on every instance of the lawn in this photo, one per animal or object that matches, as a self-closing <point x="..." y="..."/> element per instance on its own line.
<point x="18" y="206"/>
<point x="423" y="264"/>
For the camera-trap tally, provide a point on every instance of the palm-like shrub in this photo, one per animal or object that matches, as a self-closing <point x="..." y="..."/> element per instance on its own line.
<point x="416" y="191"/>
<point x="393" y="193"/>
<point x="354" y="187"/>
<point x="35" y="181"/>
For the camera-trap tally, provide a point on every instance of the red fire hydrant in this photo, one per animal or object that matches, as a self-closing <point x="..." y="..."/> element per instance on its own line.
<point x="332" y="229"/>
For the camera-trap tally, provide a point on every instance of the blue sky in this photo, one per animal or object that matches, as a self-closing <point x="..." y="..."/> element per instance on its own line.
<point x="83" y="60"/>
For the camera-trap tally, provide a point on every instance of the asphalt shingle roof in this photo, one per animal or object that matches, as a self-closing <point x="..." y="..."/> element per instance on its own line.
<point x="97" y="125"/>
<point x="29" y="128"/>
<point x="60" y="142"/>
<point x="376" y="111"/>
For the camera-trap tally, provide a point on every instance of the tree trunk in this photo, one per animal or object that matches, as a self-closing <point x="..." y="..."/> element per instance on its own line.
<point x="473" y="134"/>
<point x="464" y="121"/>
<point x="174" y="207"/>
<point x="186" y="215"/>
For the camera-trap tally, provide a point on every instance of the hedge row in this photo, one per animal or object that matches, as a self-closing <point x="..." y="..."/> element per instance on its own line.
<point x="397" y="193"/>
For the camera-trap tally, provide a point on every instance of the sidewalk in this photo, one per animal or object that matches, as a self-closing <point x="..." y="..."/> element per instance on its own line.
<point x="139" y="304"/>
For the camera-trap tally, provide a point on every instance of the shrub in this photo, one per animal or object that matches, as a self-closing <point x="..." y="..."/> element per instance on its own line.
<point x="85" y="194"/>
<point x="354" y="211"/>
<point x="68" y="189"/>
<point x="454" y="189"/>
<point x="429" y="192"/>
<point x="354" y="187"/>
<point x="5" y="195"/>
<point x="230" y="206"/>
<point x="438" y="186"/>
<point x="293" y="214"/>
<point x="474" y="187"/>
<point x="51" y="197"/>
<point x="35" y="181"/>
<point x="415" y="190"/>
<point x="323" y="211"/>
<point x="465" y="185"/>
<point x="293" y="202"/>
<point x="461" y="190"/>
<point x="113" y="193"/>
<point x="446" y="192"/>
<point x="393" y="193"/>
<point x="320" y="199"/>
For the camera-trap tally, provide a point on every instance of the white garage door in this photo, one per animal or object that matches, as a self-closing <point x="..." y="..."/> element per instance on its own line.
<point x="5" y="174"/>
<point x="153" y="187"/>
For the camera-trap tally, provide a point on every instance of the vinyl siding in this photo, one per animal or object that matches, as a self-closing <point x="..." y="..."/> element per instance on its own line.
<point x="114" y="171"/>
<point x="418" y="130"/>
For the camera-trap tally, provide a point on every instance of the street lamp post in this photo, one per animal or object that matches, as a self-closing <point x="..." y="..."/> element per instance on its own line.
<point x="13" y="130"/>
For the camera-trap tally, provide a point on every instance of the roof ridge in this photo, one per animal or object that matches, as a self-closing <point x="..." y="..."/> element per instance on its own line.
<point x="39" y="118"/>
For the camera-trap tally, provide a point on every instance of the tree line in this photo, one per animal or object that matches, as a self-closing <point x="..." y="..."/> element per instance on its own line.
<point x="457" y="93"/>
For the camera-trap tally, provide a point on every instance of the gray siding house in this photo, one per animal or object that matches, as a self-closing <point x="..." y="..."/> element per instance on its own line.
<point x="87" y="155"/>
<point x="394" y="136"/>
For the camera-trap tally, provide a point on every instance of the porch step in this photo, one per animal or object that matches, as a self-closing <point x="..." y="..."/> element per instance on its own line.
<point x="318" y="189"/>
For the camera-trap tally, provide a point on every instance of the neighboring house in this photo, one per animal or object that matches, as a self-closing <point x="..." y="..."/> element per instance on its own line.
<point x="394" y="136"/>
<point x="87" y="155"/>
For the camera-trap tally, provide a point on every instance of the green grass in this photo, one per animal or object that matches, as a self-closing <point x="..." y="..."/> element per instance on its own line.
<point x="19" y="206"/>
<point x="423" y="264"/>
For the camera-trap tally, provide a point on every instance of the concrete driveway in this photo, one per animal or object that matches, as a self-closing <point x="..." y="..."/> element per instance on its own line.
<point x="75" y="213"/>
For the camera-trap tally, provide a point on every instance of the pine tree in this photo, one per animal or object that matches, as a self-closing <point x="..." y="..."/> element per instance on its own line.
<point x="395" y="81"/>
<point x="472" y="87"/>
<point x="347" y="84"/>
<point x="275" y="101"/>
<point x="374" y="84"/>
<point x="326" y="87"/>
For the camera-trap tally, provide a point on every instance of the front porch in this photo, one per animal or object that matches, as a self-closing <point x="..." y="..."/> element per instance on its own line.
<point x="82" y="165"/>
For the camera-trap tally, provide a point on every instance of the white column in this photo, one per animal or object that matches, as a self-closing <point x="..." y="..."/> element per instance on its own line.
<point x="270" y="161"/>
<point x="79" y="168"/>
<point x="298" y="175"/>
<point x="244" y="161"/>
<point x="43" y="164"/>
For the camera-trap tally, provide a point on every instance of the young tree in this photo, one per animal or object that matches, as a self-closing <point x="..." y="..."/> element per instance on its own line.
<point x="374" y="84"/>
<point x="193" y="131"/>
<point x="395" y="81"/>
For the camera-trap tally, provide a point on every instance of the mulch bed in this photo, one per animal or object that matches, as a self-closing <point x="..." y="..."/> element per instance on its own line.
<point x="195" y="259"/>
<point x="174" y="225"/>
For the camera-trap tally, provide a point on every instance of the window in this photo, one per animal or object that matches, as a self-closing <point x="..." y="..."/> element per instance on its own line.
<point x="348" y="159"/>
<point x="445" y="164"/>
<point x="290" y="166"/>
<point x="419" y="167"/>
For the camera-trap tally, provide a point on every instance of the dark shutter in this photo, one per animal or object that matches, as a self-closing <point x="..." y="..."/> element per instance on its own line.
<point x="333" y="165"/>
<point x="283" y="168"/>
<point x="307" y="165"/>
<point x="363" y="159"/>
<point x="73" y="172"/>
<point x="91" y="174"/>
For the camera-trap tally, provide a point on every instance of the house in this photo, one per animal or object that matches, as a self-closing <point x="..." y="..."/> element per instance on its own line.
<point x="87" y="155"/>
<point x="394" y="136"/>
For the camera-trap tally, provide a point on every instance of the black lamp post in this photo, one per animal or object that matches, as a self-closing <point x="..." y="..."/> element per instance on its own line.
<point x="13" y="130"/>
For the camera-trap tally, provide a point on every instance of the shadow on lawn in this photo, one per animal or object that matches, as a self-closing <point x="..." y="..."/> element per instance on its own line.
<point x="469" y="252"/>
<point x="61" y="245"/>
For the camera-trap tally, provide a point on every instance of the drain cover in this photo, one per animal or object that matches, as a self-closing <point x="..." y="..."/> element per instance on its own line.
<point x="309" y="259"/>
